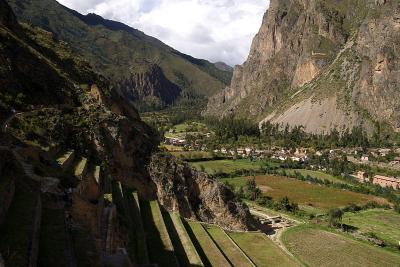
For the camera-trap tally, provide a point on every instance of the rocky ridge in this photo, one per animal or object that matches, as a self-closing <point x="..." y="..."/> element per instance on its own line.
<point x="320" y="64"/>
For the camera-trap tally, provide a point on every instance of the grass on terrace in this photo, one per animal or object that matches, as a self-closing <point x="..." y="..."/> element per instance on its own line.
<point x="306" y="194"/>
<point x="317" y="247"/>
<point x="384" y="223"/>
<point x="235" y="255"/>
<point x="261" y="250"/>
<point x="207" y="249"/>
<point x="184" y="248"/>
<point x="159" y="244"/>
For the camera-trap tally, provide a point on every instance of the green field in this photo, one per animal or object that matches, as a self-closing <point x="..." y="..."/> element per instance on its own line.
<point x="181" y="130"/>
<point x="160" y="247"/>
<point x="261" y="250"/>
<point x="306" y="194"/>
<point x="207" y="249"/>
<point x="317" y="174"/>
<point x="228" y="166"/>
<point x="233" y="253"/>
<point x="385" y="224"/>
<point x="316" y="247"/>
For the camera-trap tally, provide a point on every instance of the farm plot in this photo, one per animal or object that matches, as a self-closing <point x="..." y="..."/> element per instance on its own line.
<point x="306" y="194"/>
<point x="385" y="224"/>
<point x="227" y="166"/>
<point x="261" y="250"/>
<point x="317" y="247"/>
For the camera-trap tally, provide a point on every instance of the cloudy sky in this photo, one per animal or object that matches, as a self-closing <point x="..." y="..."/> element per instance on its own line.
<point x="217" y="30"/>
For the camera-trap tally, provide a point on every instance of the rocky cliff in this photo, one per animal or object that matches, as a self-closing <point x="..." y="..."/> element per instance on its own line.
<point x="321" y="64"/>
<point x="149" y="84"/>
<point x="194" y="195"/>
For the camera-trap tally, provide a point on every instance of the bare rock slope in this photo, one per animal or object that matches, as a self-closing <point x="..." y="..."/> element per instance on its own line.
<point x="321" y="64"/>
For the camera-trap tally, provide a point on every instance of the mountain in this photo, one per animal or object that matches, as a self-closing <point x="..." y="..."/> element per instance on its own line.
<point x="321" y="64"/>
<point x="118" y="51"/>
<point x="223" y="66"/>
<point x="64" y="128"/>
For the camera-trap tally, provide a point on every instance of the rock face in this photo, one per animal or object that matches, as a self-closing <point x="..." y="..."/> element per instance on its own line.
<point x="310" y="51"/>
<point x="150" y="82"/>
<point x="194" y="195"/>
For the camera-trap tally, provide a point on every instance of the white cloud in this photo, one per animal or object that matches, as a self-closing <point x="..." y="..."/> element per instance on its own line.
<point x="217" y="30"/>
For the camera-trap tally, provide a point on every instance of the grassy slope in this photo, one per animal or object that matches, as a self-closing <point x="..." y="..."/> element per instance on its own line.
<point x="303" y="193"/>
<point x="159" y="244"/>
<point x="261" y="250"/>
<point x="384" y="223"/>
<point x="206" y="247"/>
<point x="184" y="248"/>
<point x="316" y="247"/>
<point x="98" y="45"/>
<point x="234" y="255"/>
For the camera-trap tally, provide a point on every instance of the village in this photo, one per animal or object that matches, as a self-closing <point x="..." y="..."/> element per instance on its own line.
<point x="381" y="157"/>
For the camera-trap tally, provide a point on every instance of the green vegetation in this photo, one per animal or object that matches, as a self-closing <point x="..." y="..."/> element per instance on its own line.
<point x="261" y="250"/>
<point x="227" y="166"/>
<point x="235" y="256"/>
<point x="207" y="249"/>
<point x="159" y="243"/>
<point x="80" y="167"/>
<point x="184" y="248"/>
<point x="317" y="197"/>
<point x="317" y="247"/>
<point x="385" y="224"/>
<point x="316" y="174"/>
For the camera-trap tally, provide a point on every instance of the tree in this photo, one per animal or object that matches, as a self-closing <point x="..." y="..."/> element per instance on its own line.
<point x="252" y="189"/>
<point x="335" y="217"/>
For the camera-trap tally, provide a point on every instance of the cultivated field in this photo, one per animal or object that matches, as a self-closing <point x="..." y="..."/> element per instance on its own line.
<point x="227" y="166"/>
<point x="261" y="250"/>
<point x="316" y="247"/>
<point x="317" y="174"/>
<point x="385" y="224"/>
<point x="306" y="194"/>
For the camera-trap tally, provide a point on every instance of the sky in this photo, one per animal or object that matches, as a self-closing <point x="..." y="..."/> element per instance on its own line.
<point x="216" y="30"/>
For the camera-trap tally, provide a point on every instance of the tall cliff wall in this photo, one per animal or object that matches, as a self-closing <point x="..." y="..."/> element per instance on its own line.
<point x="321" y="64"/>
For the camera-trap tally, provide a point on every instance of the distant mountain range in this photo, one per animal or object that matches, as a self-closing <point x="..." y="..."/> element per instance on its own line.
<point x="123" y="55"/>
<point x="321" y="64"/>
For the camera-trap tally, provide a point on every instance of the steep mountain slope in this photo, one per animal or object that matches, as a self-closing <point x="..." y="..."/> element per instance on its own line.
<point x="62" y="104"/>
<point x="322" y="64"/>
<point x="116" y="50"/>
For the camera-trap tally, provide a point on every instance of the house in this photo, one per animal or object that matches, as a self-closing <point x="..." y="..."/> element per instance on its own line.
<point x="361" y="176"/>
<point x="385" y="181"/>
<point x="365" y="158"/>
